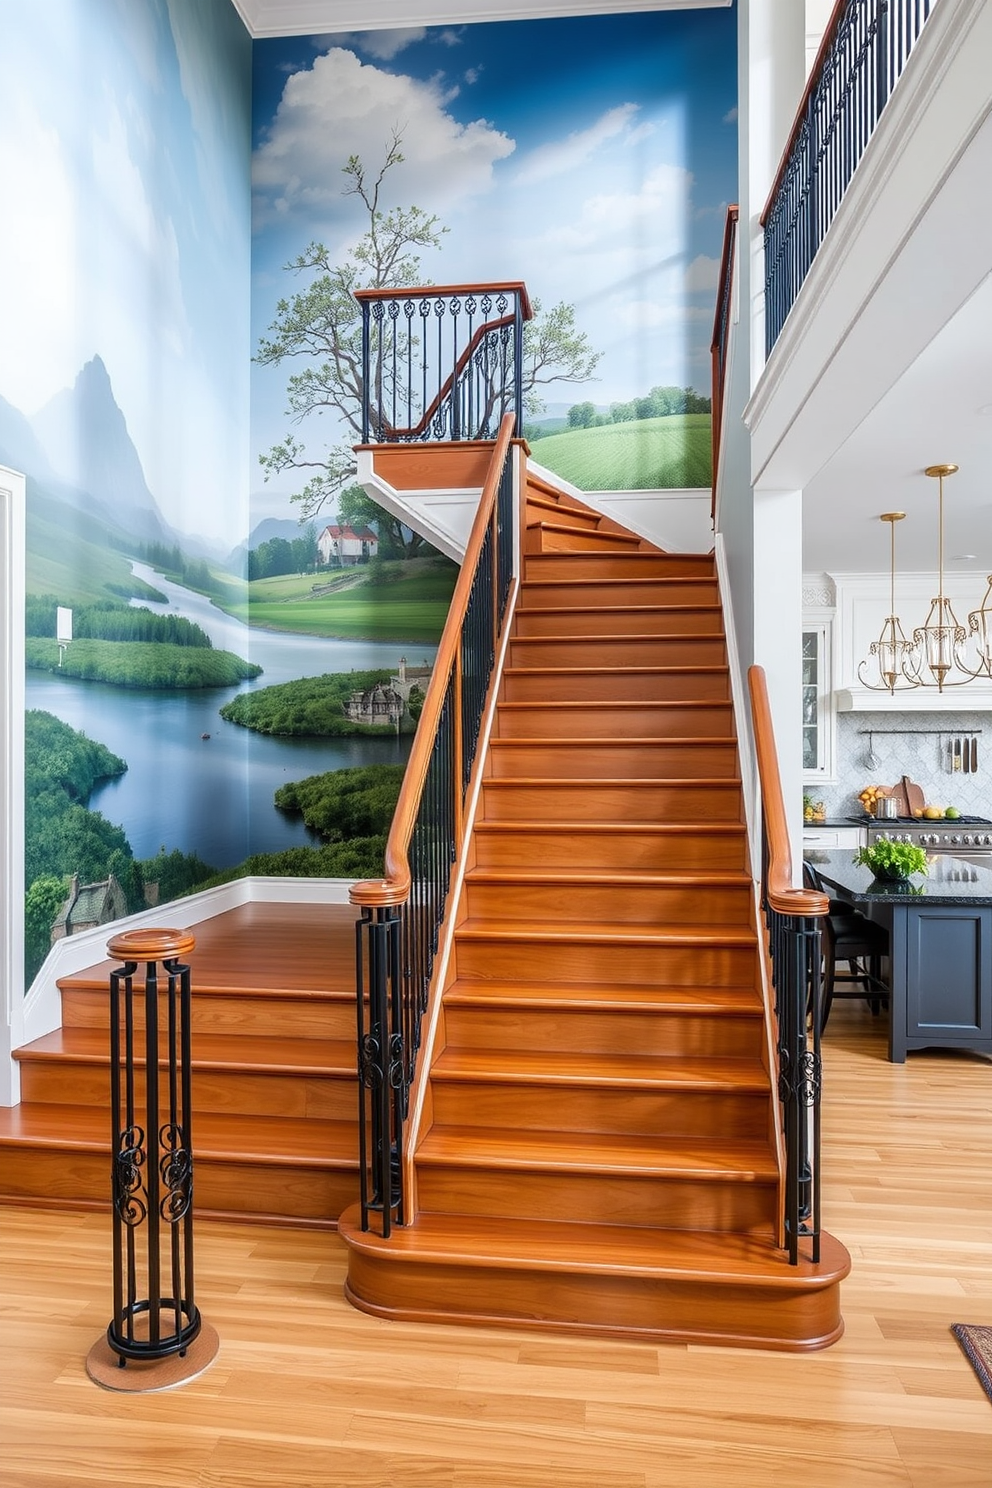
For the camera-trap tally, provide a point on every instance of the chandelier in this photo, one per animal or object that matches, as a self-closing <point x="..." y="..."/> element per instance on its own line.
<point x="891" y="652"/>
<point x="938" y="656"/>
<point x="938" y="653"/>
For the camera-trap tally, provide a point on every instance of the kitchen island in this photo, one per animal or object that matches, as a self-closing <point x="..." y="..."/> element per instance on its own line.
<point x="940" y="942"/>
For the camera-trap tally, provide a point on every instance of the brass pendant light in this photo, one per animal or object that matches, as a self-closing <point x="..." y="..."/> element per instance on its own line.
<point x="891" y="652"/>
<point x="937" y="656"/>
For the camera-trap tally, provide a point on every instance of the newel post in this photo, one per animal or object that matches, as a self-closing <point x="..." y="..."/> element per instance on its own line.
<point x="156" y="1327"/>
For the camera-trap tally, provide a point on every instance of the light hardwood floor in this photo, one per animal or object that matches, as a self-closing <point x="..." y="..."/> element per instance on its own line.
<point x="307" y="1392"/>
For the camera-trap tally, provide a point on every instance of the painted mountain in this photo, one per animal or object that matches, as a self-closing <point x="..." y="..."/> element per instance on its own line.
<point x="19" y="448"/>
<point x="84" y="435"/>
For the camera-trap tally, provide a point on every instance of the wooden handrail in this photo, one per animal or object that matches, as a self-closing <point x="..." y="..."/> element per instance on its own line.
<point x="836" y="16"/>
<point x="718" y="345"/>
<point x="430" y="291"/>
<point x="779" y="891"/>
<point x="394" y="888"/>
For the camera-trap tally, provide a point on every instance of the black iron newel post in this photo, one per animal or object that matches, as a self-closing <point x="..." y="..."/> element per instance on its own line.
<point x="155" y="1315"/>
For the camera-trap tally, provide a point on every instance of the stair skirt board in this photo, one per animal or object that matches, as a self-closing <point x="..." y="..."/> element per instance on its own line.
<point x="597" y="1157"/>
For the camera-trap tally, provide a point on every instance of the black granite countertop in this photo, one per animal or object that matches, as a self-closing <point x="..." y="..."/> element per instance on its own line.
<point x="950" y="880"/>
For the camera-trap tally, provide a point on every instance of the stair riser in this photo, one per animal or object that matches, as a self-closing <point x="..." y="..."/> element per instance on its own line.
<point x="666" y="565"/>
<point x="236" y="1014"/>
<point x="601" y="567"/>
<point x="615" y="686"/>
<point x="630" y="904"/>
<point x="510" y="800"/>
<point x="620" y="651"/>
<point x="556" y="760"/>
<point x="580" y="1031"/>
<point x="617" y="1112"/>
<point x="494" y="959"/>
<point x="626" y="622"/>
<point x="643" y="1309"/>
<point x="560" y="720"/>
<point x="542" y="539"/>
<point x="234" y="1092"/>
<point x="662" y="852"/>
<point x="595" y="1198"/>
<point x="225" y="1186"/>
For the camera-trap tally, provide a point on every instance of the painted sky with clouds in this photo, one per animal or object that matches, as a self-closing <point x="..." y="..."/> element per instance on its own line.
<point x="592" y="157"/>
<point x="124" y="150"/>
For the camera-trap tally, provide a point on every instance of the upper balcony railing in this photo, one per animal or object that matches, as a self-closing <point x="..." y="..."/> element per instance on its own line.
<point x="862" y="55"/>
<point x="442" y="362"/>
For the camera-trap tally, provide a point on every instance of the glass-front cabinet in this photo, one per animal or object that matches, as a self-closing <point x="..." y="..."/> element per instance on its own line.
<point x="817" y="715"/>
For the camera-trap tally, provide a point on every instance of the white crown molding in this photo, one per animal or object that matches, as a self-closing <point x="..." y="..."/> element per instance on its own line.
<point x="314" y="17"/>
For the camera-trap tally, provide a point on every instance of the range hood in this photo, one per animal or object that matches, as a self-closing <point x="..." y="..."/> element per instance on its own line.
<point x="976" y="697"/>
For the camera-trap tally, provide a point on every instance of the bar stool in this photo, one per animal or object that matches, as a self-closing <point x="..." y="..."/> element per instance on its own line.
<point x="850" y="936"/>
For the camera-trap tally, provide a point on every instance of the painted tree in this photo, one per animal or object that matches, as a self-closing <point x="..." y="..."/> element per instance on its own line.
<point x="320" y="328"/>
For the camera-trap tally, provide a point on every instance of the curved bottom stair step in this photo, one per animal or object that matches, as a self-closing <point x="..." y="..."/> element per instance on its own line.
<point x="650" y="1285"/>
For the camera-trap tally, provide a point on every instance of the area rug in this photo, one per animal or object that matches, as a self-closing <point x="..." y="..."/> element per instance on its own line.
<point x="977" y="1344"/>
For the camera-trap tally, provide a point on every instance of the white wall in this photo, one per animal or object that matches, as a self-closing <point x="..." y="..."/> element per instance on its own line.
<point x="11" y="776"/>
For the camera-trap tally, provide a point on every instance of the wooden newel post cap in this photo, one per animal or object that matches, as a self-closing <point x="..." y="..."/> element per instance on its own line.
<point x="151" y="945"/>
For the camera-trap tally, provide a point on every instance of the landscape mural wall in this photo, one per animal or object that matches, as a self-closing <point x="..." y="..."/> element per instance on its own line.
<point x="124" y="372"/>
<point x="250" y="638"/>
<point x="592" y="158"/>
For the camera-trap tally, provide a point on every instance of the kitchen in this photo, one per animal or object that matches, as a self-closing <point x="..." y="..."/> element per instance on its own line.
<point x="911" y="765"/>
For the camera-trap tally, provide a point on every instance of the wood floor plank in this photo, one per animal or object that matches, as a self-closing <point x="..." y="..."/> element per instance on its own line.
<point x="306" y="1391"/>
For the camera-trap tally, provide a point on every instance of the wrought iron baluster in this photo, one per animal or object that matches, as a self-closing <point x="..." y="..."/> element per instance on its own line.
<point x="861" y="59"/>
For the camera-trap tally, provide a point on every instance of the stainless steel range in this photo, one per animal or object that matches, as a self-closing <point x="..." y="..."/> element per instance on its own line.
<point x="970" y="834"/>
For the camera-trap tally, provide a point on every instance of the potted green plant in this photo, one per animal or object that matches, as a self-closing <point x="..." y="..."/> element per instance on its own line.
<point x="893" y="862"/>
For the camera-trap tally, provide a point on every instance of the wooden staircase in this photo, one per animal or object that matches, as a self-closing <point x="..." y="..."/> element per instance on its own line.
<point x="599" y="1149"/>
<point x="275" y="1131"/>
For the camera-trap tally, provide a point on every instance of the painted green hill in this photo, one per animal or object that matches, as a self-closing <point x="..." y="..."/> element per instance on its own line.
<point x="642" y="455"/>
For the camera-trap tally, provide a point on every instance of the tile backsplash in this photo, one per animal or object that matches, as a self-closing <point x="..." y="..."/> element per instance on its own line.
<point x="902" y="749"/>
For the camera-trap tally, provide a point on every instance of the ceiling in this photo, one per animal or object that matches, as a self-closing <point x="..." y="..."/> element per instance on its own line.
<point x="939" y="410"/>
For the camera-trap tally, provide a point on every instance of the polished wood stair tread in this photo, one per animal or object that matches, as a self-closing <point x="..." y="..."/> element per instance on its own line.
<point x="630" y="672"/>
<point x="569" y="529"/>
<point x="627" y="1071"/>
<point x="656" y="828"/>
<point x="512" y="931"/>
<point x="539" y="503"/>
<point x="614" y="609"/>
<point x="269" y="937"/>
<point x="608" y="878"/>
<point x="648" y="637"/>
<point x="722" y="1257"/>
<point x="624" y="741"/>
<point x="657" y="1000"/>
<point x="635" y="585"/>
<point x="243" y="1053"/>
<point x="278" y="1141"/>
<point x="516" y="1149"/>
<point x="632" y="705"/>
<point x="626" y="782"/>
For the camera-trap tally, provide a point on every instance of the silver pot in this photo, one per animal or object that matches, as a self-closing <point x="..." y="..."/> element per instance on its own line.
<point x="886" y="808"/>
